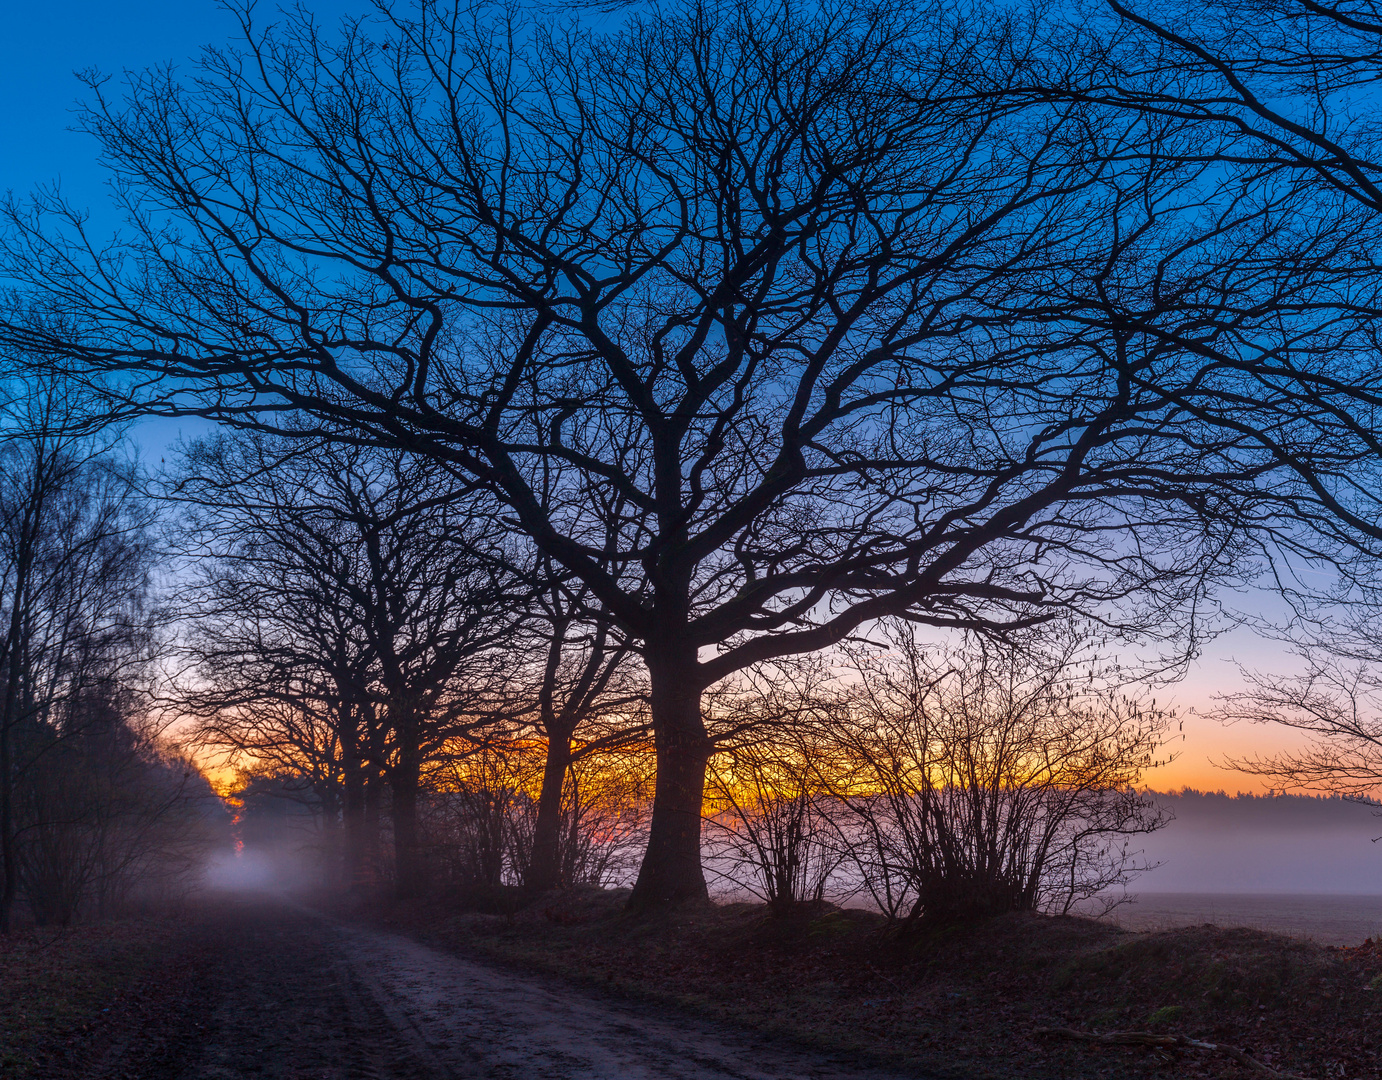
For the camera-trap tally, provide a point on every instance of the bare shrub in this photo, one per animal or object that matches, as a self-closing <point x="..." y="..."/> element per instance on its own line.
<point x="485" y="806"/>
<point x="770" y="829"/>
<point x="606" y="809"/>
<point x="989" y="777"/>
<point x="474" y="804"/>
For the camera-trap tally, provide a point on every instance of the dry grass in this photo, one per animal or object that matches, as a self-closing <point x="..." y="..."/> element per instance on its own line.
<point x="962" y="1001"/>
<point x="60" y="984"/>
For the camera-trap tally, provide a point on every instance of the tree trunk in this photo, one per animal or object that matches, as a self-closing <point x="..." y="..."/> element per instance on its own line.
<point x="352" y="810"/>
<point x="367" y="874"/>
<point x="9" y="878"/>
<point x="671" y="870"/>
<point x="544" y="864"/>
<point x="15" y="657"/>
<point x="403" y="780"/>
<point x="353" y="827"/>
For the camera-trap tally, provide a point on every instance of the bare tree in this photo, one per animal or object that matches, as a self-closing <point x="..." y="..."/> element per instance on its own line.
<point x="481" y="792"/>
<point x="584" y="685"/>
<point x="76" y="556"/>
<point x="280" y="665"/>
<point x="762" y="323"/>
<point x="606" y="811"/>
<point x="486" y="809"/>
<point x="347" y="621"/>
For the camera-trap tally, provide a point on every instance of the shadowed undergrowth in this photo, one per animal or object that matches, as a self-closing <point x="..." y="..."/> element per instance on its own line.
<point x="961" y="1000"/>
<point x="60" y="985"/>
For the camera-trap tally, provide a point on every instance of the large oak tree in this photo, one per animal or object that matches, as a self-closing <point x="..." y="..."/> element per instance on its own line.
<point x="762" y="322"/>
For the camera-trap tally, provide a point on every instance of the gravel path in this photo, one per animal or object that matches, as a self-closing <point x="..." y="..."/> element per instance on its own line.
<point x="470" y="1021"/>
<point x="268" y="990"/>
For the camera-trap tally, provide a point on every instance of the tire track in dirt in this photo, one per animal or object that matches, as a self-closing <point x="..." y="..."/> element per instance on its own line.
<point x="473" y="1021"/>
<point x="263" y="988"/>
<point x="293" y="1009"/>
<point x="258" y="990"/>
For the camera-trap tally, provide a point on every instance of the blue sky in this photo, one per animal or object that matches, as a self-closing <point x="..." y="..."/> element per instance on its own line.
<point x="42" y="45"/>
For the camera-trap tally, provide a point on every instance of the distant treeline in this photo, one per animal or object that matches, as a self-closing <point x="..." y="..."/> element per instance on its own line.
<point x="1249" y="796"/>
<point x="1271" y="810"/>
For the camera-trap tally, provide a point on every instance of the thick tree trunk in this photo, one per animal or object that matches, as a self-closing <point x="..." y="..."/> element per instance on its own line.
<point x="333" y="836"/>
<point x="368" y="873"/>
<point x="353" y="826"/>
<point x="352" y="810"/>
<point x="671" y="870"/>
<point x="544" y="865"/>
<point x="403" y="780"/>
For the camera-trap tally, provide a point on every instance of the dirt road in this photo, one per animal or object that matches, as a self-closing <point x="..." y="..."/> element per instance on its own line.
<point x="273" y="991"/>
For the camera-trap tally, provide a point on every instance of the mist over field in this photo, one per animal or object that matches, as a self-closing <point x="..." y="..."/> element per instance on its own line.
<point x="1263" y="844"/>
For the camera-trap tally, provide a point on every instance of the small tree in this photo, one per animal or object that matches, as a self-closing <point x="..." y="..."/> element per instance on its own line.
<point x="607" y="807"/>
<point x="485" y="811"/>
<point x="476" y="806"/>
<point x="582" y="684"/>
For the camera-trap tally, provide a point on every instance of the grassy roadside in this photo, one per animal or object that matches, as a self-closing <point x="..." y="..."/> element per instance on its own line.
<point x="60" y="986"/>
<point x="961" y="1002"/>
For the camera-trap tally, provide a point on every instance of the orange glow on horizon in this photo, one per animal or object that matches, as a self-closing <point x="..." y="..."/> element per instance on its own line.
<point x="1202" y="748"/>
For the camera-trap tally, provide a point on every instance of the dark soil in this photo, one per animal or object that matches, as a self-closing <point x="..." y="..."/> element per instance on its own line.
<point x="263" y="988"/>
<point x="61" y="988"/>
<point x="243" y="988"/>
<point x="256" y="987"/>
<point x="964" y="1000"/>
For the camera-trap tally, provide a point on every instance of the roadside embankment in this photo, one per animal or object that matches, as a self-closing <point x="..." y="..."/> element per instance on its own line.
<point x="961" y="1000"/>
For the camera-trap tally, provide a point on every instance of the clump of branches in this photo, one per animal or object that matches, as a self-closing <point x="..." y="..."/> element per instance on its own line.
<point x="769" y="828"/>
<point x="1334" y="699"/>
<point x="989" y="777"/>
<point x="485" y="807"/>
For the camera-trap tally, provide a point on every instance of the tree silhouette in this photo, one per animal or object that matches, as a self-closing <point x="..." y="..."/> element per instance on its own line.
<point x="76" y="556"/>
<point x="761" y="323"/>
<point x="347" y="621"/>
